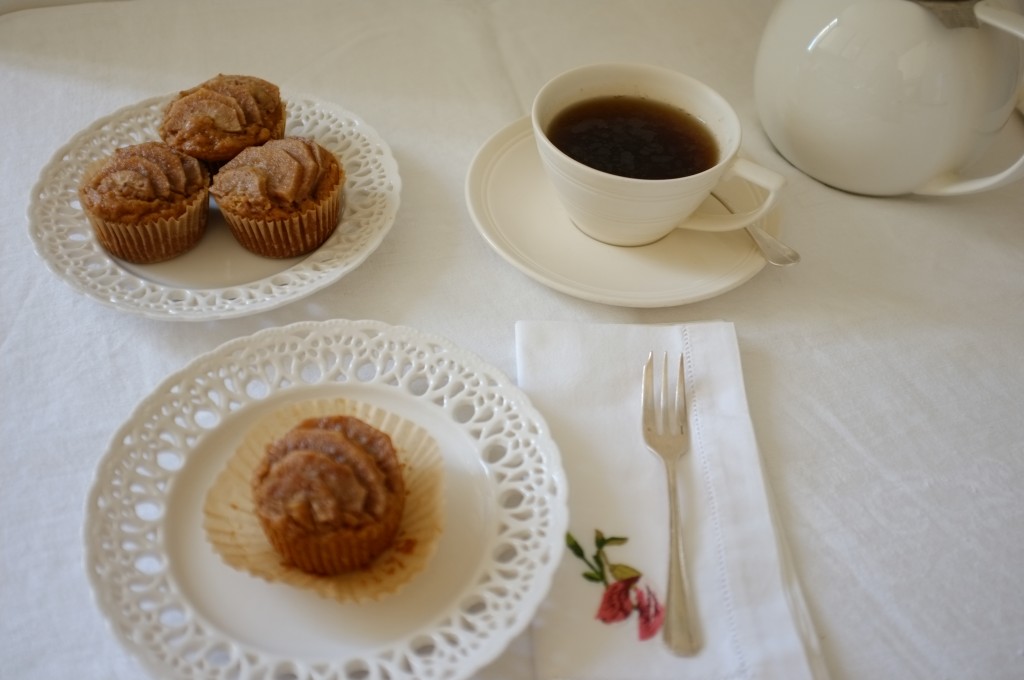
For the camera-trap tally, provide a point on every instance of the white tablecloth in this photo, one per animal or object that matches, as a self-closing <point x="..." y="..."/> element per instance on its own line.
<point x="884" y="373"/>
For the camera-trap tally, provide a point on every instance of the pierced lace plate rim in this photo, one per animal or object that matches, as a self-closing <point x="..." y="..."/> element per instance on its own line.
<point x="508" y="607"/>
<point x="97" y="275"/>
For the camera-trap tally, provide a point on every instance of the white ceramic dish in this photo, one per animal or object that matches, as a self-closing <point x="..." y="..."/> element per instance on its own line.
<point x="218" y="278"/>
<point x="518" y="213"/>
<point x="186" y="614"/>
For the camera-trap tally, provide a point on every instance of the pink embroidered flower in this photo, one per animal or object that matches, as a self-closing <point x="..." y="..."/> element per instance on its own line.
<point x="616" y="603"/>
<point x="622" y="592"/>
<point x="652" y="613"/>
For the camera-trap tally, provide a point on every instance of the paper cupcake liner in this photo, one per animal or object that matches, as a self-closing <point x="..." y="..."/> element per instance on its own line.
<point x="151" y="241"/>
<point x="234" y="530"/>
<point x="296" y="235"/>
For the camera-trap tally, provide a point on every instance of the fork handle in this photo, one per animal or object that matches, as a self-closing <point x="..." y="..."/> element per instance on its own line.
<point x="678" y="632"/>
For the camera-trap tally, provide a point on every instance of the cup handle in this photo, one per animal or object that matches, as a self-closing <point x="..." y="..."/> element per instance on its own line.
<point x="951" y="184"/>
<point x="770" y="181"/>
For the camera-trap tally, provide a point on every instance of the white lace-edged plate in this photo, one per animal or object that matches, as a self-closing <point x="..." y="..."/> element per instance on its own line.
<point x="218" y="278"/>
<point x="186" y="614"/>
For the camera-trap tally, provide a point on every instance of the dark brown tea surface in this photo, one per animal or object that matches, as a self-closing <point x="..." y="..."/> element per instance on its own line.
<point x="634" y="137"/>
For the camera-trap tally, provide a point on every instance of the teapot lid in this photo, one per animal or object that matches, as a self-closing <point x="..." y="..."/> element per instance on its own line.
<point x="952" y="13"/>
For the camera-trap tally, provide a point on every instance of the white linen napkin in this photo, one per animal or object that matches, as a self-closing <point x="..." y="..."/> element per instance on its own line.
<point x="585" y="379"/>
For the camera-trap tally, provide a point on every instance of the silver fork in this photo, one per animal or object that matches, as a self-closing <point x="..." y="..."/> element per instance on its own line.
<point x="666" y="434"/>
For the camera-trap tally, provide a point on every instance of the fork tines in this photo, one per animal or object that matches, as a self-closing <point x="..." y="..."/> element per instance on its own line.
<point x="667" y="413"/>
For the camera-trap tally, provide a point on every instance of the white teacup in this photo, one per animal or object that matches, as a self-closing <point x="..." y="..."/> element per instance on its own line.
<point x="624" y="211"/>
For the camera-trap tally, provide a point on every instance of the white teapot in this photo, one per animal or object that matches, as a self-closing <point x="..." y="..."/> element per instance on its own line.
<point x="887" y="97"/>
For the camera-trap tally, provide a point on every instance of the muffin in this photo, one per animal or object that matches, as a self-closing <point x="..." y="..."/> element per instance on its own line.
<point x="214" y="121"/>
<point x="233" y="527"/>
<point x="330" y="494"/>
<point x="147" y="202"/>
<point x="282" y="199"/>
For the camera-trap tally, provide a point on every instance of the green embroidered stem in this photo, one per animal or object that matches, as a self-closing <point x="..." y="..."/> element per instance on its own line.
<point x="599" y="565"/>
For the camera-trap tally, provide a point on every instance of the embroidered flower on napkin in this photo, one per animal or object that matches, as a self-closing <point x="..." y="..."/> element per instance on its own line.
<point x="622" y="591"/>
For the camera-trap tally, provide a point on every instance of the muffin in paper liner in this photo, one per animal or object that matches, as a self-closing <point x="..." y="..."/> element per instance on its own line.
<point x="153" y="240"/>
<point x="223" y="115"/>
<point x="233" y="528"/>
<point x="291" y="236"/>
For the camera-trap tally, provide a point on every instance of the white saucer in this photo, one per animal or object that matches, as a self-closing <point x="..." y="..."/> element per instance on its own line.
<point x="516" y="210"/>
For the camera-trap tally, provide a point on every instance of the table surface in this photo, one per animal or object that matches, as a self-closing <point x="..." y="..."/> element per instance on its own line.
<point x="884" y="372"/>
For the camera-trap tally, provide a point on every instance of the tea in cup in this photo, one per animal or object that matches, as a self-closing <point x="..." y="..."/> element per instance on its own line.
<point x="634" y="150"/>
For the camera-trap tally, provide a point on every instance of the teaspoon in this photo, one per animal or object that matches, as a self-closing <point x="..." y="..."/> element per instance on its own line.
<point x="774" y="251"/>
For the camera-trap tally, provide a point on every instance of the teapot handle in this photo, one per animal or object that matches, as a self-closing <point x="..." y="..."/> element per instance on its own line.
<point x="951" y="185"/>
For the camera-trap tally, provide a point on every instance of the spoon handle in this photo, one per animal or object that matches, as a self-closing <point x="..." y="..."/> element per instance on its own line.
<point x="774" y="250"/>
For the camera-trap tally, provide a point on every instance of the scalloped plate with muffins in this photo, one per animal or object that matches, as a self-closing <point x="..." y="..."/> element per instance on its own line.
<point x="218" y="278"/>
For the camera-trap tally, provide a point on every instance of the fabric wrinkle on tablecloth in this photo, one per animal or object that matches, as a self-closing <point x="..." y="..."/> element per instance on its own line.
<point x="752" y="620"/>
